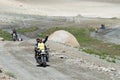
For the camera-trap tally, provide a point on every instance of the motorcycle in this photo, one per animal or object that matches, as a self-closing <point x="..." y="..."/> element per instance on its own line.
<point x="14" y="37"/>
<point x="41" y="57"/>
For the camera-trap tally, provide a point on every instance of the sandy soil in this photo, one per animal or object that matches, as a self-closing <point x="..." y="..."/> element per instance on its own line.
<point x="62" y="8"/>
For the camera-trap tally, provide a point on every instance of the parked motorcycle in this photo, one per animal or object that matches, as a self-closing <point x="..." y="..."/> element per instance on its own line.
<point x="14" y="37"/>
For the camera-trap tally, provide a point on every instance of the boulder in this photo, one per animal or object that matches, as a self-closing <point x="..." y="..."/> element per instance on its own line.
<point x="64" y="37"/>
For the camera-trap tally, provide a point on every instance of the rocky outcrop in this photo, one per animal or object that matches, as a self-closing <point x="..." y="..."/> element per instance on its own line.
<point x="64" y="37"/>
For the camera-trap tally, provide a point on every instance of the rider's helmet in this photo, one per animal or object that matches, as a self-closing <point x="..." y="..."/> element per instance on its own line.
<point x="14" y="30"/>
<point x="38" y="40"/>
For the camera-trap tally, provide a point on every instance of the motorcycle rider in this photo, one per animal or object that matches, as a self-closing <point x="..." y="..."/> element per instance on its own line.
<point x="14" y="33"/>
<point x="41" y="45"/>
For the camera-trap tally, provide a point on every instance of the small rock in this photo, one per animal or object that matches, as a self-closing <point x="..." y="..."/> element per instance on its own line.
<point x="0" y="71"/>
<point x="112" y="69"/>
<point x="63" y="57"/>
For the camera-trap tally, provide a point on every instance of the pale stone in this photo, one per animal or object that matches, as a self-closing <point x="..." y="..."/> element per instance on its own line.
<point x="64" y="37"/>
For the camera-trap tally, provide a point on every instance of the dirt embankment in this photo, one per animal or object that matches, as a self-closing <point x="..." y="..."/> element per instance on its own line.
<point x="110" y="34"/>
<point x="66" y="63"/>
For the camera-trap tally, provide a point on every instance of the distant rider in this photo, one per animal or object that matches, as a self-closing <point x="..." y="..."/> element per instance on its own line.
<point x="14" y="34"/>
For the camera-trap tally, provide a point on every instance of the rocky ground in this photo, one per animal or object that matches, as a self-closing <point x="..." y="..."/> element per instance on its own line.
<point x="5" y="75"/>
<point x="66" y="63"/>
<point x="111" y="34"/>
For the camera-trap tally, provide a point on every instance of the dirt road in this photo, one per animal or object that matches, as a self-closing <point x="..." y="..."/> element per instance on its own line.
<point x="66" y="63"/>
<point x="19" y="60"/>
